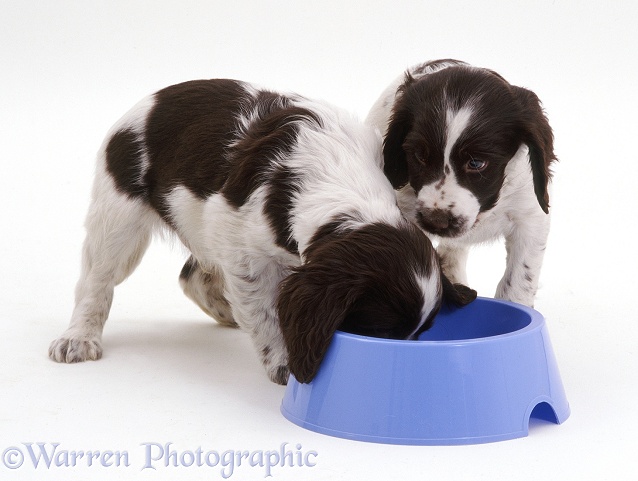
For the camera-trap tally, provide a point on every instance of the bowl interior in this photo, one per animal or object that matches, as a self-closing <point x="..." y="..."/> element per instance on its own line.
<point x="482" y="318"/>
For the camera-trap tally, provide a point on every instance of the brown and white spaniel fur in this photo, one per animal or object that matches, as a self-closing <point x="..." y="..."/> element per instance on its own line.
<point x="470" y="157"/>
<point x="292" y="227"/>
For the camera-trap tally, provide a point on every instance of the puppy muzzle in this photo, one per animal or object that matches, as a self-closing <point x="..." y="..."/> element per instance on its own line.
<point x="442" y="222"/>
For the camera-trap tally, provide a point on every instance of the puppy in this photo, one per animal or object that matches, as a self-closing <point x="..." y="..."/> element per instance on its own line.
<point x="470" y="157"/>
<point x="292" y="227"/>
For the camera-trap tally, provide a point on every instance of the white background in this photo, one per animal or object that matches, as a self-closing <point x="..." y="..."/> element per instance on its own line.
<point x="68" y="70"/>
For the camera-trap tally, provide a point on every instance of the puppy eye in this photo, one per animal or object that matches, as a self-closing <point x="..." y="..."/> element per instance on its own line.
<point x="475" y="165"/>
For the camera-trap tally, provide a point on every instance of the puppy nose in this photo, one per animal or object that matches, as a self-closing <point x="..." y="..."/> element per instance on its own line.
<point x="437" y="218"/>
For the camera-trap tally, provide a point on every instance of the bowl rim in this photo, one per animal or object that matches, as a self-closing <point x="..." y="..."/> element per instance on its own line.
<point x="537" y="320"/>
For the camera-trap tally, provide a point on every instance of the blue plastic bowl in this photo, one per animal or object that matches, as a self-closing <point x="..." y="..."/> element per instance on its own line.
<point x="477" y="376"/>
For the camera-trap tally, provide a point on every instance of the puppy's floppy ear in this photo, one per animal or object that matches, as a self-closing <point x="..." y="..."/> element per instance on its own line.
<point x="400" y="123"/>
<point x="313" y="302"/>
<point x="538" y="136"/>
<point x="456" y="294"/>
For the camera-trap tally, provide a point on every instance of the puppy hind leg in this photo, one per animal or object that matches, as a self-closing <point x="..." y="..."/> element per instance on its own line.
<point x="206" y="289"/>
<point x="118" y="232"/>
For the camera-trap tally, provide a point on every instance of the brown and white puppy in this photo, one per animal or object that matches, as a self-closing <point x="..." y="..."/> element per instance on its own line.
<point x="292" y="227"/>
<point x="470" y="157"/>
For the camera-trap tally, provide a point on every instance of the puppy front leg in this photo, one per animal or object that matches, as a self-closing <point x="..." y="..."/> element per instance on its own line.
<point x="269" y="342"/>
<point x="253" y="299"/>
<point x="453" y="261"/>
<point x="525" y="251"/>
<point x="265" y="332"/>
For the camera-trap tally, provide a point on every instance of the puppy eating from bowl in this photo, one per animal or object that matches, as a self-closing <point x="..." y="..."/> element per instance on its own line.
<point x="470" y="155"/>
<point x="293" y="229"/>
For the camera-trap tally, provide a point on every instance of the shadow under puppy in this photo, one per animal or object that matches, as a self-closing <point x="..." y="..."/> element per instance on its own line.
<point x="293" y="228"/>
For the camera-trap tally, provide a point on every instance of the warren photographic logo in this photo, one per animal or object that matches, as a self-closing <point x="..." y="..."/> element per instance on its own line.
<point x="152" y="456"/>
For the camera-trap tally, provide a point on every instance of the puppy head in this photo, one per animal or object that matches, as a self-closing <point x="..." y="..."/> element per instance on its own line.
<point x="375" y="280"/>
<point x="450" y="137"/>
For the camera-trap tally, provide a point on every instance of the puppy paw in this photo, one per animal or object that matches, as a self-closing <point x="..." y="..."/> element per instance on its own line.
<point x="464" y="295"/>
<point x="73" y="348"/>
<point x="457" y="294"/>
<point x="279" y="374"/>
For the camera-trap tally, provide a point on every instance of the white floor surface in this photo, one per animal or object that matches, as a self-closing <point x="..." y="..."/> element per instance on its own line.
<point x="169" y="373"/>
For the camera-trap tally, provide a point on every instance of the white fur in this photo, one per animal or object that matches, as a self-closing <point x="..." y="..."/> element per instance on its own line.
<point x="338" y="177"/>
<point x="429" y="287"/>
